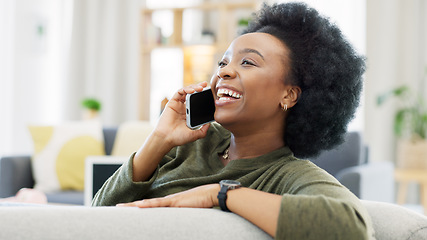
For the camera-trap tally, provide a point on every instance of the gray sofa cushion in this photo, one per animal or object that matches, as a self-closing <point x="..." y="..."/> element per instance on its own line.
<point x="393" y="222"/>
<point x="123" y="223"/>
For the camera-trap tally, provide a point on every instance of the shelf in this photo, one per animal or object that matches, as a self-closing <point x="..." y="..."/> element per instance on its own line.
<point x="151" y="37"/>
<point x="206" y="6"/>
<point x="199" y="59"/>
<point x="149" y="49"/>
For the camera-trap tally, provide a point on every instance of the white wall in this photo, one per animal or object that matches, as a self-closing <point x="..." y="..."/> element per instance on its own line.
<point x="396" y="54"/>
<point x="30" y="88"/>
<point x="103" y="62"/>
<point x="7" y="18"/>
<point x="42" y="83"/>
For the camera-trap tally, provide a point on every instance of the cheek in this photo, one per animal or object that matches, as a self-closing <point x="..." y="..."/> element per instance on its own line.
<point x="214" y="79"/>
<point x="262" y="99"/>
<point x="267" y="92"/>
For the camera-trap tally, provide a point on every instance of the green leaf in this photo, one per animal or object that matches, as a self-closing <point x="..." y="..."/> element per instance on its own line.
<point x="397" y="92"/>
<point x="91" y="103"/>
<point x="400" y="90"/>
<point x="399" y="122"/>
<point x="411" y="117"/>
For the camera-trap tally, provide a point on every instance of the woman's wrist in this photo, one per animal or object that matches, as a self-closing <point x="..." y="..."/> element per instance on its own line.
<point x="148" y="157"/>
<point x="161" y="142"/>
<point x="214" y="194"/>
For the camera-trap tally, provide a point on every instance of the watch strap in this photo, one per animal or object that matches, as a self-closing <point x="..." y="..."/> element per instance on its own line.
<point x="222" y="198"/>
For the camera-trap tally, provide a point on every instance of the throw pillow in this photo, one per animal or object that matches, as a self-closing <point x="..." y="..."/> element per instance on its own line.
<point x="130" y="137"/>
<point x="60" y="152"/>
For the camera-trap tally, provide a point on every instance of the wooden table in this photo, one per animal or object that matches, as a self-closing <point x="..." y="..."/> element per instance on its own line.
<point x="404" y="177"/>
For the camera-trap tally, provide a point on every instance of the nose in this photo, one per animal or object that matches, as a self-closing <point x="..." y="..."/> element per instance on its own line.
<point x="226" y="72"/>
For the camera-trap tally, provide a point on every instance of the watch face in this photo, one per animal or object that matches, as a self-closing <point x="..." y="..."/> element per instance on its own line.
<point x="230" y="183"/>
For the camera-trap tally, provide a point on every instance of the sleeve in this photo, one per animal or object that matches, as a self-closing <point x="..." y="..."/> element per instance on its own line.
<point x="323" y="210"/>
<point x="120" y="188"/>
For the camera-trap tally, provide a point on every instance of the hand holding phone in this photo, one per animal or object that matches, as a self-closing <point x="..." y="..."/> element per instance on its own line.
<point x="200" y="108"/>
<point x="172" y="126"/>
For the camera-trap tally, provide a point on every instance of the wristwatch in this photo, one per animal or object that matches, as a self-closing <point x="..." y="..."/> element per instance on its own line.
<point x="222" y="195"/>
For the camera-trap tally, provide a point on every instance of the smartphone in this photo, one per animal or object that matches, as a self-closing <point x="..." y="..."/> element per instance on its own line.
<point x="200" y="108"/>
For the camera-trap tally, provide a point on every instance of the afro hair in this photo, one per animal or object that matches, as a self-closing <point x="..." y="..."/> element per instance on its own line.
<point x="326" y="68"/>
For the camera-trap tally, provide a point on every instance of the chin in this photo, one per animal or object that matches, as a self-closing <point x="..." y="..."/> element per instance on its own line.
<point x="222" y="119"/>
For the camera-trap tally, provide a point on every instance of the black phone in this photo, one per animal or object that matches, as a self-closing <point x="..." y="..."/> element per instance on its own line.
<point x="200" y="108"/>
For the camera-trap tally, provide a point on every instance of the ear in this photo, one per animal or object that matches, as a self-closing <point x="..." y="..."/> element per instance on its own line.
<point x="291" y="96"/>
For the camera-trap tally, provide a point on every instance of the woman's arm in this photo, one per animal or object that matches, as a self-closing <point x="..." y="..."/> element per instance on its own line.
<point x="302" y="216"/>
<point x="260" y="208"/>
<point x="299" y="216"/>
<point x="147" y="158"/>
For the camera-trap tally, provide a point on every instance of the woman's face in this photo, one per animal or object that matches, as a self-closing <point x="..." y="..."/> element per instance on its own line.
<point x="249" y="84"/>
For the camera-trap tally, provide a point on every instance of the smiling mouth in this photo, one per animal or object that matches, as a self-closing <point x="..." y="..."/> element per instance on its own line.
<point x="224" y="94"/>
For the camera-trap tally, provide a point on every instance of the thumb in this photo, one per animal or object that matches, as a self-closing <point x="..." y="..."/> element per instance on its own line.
<point x="201" y="132"/>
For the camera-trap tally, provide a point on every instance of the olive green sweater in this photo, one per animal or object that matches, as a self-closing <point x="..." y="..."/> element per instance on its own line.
<point x="314" y="204"/>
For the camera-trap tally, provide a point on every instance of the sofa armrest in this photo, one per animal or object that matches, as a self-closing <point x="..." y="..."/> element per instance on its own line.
<point x="124" y="223"/>
<point x="15" y="173"/>
<point x="371" y="181"/>
<point x="44" y="222"/>
<point x="393" y="222"/>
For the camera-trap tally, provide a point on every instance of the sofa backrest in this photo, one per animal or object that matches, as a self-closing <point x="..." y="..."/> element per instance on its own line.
<point x="349" y="154"/>
<point x="109" y="137"/>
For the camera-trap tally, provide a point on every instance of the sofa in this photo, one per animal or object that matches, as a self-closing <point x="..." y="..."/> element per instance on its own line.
<point x="348" y="163"/>
<point x="18" y="221"/>
<point x="16" y="173"/>
<point x="53" y="221"/>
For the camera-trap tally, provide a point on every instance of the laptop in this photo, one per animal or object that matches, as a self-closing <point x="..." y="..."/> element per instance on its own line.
<point x="97" y="170"/>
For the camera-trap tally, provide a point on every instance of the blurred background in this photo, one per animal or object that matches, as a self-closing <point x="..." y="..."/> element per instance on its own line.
<point x="132" y="55"/>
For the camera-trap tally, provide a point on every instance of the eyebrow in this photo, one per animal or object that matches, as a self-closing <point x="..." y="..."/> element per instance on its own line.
<point x="251" y="50"/>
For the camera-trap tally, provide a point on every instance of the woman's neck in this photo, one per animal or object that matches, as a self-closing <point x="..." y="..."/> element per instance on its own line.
<point x="254" y="144"/>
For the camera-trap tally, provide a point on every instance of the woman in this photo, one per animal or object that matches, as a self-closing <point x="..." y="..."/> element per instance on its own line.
<point x="284" y="89"/>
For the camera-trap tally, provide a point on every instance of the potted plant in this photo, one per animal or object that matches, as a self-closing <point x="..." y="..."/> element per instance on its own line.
<point x="410" y="127"/>
<point x="242" y="24"/>
<point x="91" y="106"/>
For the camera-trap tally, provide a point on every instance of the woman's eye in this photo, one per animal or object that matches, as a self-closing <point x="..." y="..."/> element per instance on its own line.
<point x="222" y="63"/>
<point x="247" y="62"/>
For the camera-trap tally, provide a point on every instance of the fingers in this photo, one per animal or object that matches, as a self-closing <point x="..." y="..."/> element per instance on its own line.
<point x="199" y="87"/>
<point x="148" y="203"/>
<point x="199" y="197"/>
<point x="181" y="93"/>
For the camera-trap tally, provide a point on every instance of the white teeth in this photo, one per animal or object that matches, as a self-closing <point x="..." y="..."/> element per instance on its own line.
<point x="223" y="92"/>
